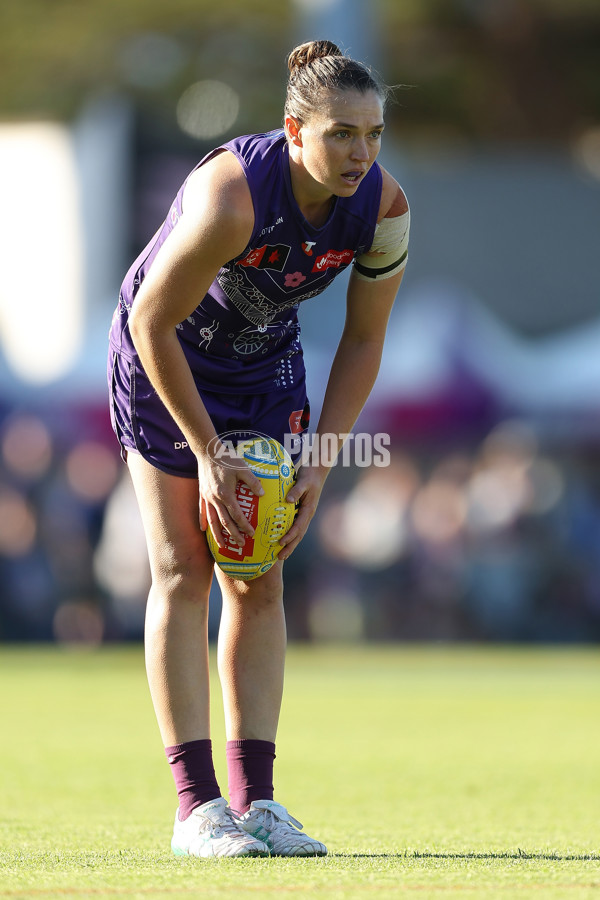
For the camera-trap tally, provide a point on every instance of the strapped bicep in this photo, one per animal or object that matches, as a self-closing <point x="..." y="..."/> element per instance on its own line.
<point x="388" y="254"/>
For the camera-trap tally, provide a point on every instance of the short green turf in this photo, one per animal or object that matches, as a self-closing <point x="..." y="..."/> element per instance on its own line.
<point x="429" y="771"/>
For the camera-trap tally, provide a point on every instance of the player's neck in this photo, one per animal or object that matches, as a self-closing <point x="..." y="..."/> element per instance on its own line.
<point x="317" y="213"/>
<point x="313" y="199"/>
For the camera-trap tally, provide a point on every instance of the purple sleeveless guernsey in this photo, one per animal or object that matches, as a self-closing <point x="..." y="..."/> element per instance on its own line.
<point x="242" y="342"/>
<point x="244" y="336"/>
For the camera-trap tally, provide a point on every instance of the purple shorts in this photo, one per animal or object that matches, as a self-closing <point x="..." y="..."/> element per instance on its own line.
<point x="143" y="425"/>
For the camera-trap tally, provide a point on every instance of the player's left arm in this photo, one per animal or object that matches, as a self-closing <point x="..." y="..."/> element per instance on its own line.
<point x="356" y="363"/>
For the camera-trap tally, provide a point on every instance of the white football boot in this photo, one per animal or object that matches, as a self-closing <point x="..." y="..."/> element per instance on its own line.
<point x="270" y="822"/>
<point x="212" y="830"/>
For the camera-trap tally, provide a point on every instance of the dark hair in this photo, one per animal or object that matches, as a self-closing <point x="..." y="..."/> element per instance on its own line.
<point x="320" y="65"/>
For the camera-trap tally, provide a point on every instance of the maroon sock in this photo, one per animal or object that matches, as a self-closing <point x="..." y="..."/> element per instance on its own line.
<point x="194" y="774"/>
<point x="250" y="771"/>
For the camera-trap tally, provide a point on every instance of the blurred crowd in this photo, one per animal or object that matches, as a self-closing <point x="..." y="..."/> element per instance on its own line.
<point x="59" y="475"/>
<point x="496" y="540"/>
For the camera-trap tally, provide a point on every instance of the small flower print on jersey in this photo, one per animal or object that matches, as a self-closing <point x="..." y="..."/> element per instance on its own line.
<point x="294" y="279"/>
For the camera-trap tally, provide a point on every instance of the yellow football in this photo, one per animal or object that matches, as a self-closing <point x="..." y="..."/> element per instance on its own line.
<point x="270" y="515"/>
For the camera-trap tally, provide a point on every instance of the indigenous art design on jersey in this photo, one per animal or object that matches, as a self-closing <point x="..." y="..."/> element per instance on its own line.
<point x="255" y="306"/>
<point x="249" y="301"/>
<point x="206" y="334"/>
<point x="254" y="340"/>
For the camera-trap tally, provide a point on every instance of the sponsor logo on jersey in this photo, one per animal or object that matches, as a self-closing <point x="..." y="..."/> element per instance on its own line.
<point x="269" y="256"/>
<point x="307" y="247"/>
<point x="333" y="259"/>
<point x="299" y="420"/>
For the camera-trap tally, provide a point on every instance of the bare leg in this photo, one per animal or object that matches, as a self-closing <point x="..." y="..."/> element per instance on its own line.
<point x="252" y="642"/>
<point x="177" y="613"/>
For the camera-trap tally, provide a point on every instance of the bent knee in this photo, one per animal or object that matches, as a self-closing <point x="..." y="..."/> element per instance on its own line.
<point x="182" y="570"/>
<point x="267" y="590"/>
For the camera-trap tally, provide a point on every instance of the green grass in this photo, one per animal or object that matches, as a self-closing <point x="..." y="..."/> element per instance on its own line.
<point x="463" y="772"/>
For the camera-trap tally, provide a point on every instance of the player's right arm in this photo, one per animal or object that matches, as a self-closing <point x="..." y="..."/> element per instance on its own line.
<point x="216" y="225"/>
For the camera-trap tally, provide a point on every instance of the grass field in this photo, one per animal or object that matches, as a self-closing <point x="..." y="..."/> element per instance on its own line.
<point x="428" y="771"/>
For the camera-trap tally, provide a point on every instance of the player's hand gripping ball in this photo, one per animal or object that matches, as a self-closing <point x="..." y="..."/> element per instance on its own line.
<point x="270" y="515"/>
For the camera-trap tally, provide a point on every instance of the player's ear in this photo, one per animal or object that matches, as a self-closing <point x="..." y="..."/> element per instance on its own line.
<point x="292" y="130"/>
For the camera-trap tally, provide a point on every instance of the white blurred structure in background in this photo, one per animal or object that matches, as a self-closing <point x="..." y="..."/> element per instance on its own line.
<point x="64" y="234"/>
<point x="41" y="315"/>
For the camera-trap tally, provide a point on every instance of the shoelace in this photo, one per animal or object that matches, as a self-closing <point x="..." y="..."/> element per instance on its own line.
<point x="225" y="820"/>
<point x="274" y="818"/>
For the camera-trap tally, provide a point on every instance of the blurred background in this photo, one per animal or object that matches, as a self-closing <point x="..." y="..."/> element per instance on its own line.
<point x="486" y="526"/>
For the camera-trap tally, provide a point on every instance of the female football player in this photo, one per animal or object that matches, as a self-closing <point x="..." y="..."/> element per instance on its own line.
<point x="205" y="342"/>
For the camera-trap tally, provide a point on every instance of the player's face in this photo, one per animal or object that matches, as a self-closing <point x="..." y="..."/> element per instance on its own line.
<point x="340" y="141"/>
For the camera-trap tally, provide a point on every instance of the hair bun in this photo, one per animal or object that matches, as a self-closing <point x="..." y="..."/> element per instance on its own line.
<point x="306" y="53"/>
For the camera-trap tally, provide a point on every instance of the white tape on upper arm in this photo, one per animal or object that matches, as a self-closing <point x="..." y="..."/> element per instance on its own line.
<point x="390" y="244"/>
